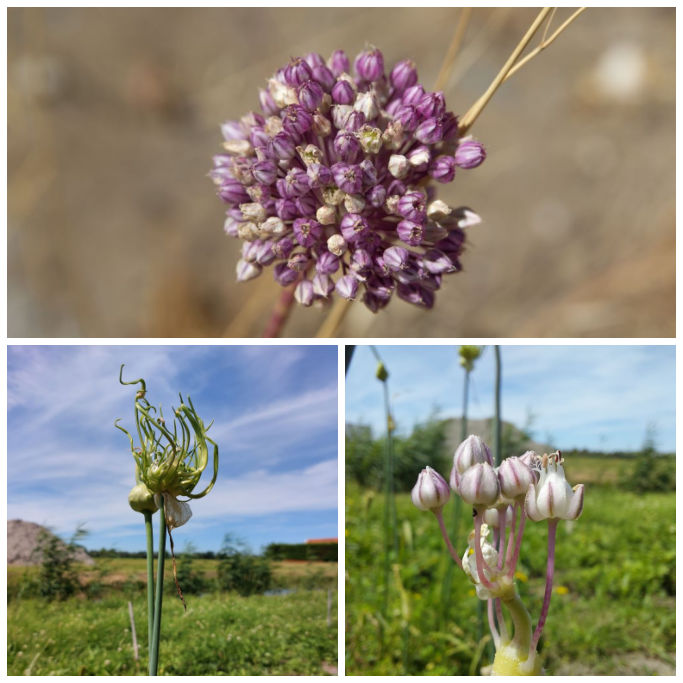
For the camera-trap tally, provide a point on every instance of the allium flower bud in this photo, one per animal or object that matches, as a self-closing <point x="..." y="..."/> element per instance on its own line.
<point x="419" y="157"/>
<point x="343" y="92"/>
<point x="469" y="154"/>
<point x="327" y="263"/>
<point x="319" y="175"/>
<point x="403" y="75"/>
<point x="322" y="75"/>
<point x="326" y="215"/>
<point x="430" y="131"/>
<point x="284" y="275"/>
<point x="339" y="63"/>
<point x="514" y="477"/>
<point x="336" y="244"/>
<point x="396" y="258"/>
<point x="348" y="178"/>
<point x="297" y="72"/>
<point x="323" y="285"/>
<point x="247" y="271"/>
<point x="431" y="491"/>
<point x="412" y="205"/>
<point x="310" y="95"/>
<point x="398" y="166"/>
<point x="353" y="227"/>
<point x="410" y="232"/>
<point x="366" y="102"/>
<point x="377" y="195"/>
<point x="413" y="95"/>
<point x="369" y="65"/>
<point x="307" y="231"/>
<point x="443" y="169"/>
<point x="471" y="451"/>
<point x="347" y="147"/>
<point x="370" y="139"/>
<point x="479" y="485"/>
<point x="354" y="121"/>
<point x="492" y="516"/>
<point x="141" y="499"/>
<point x="303" y="292"/>
<point x="347" y="287"/>
<point x="552" y="497"/>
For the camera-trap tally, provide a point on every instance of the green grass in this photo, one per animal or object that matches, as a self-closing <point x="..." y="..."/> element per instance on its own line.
<point x="220" y="634"/>
<point x="614" y="615"/>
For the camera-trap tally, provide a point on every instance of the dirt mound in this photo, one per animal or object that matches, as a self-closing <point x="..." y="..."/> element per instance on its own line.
<point x="23" y="541"/>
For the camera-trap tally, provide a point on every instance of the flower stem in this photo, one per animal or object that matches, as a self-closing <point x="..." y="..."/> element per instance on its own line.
<point x="154" y="654"/>
<point x="518" y="543"/>
<point x="280" y="312"/>
<point x="150" y="578"/>
<point x="550" y="571"/>
<point x="476" y="109"/>
<point x="439" y="516"/>
<point x="492" y="624"/>
<point x="521" y="621"/>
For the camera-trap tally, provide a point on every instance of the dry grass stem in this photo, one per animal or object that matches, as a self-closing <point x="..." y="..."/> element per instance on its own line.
<point x="453" y="48"/>
<point x="544" y="43"/>
<point x="472" y="114"/>
<point x="334" y="319"/>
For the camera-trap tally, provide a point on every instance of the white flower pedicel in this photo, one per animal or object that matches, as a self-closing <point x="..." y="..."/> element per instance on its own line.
<point x="503" y="497"/>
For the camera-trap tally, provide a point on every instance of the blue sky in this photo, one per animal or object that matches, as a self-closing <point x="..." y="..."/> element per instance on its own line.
<point x="599" y="397"/>
<point x="275" y="413"/>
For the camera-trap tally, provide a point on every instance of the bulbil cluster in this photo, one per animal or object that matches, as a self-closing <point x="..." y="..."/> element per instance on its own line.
<point x="330" y="184"/>
<point x="170" y="459"/>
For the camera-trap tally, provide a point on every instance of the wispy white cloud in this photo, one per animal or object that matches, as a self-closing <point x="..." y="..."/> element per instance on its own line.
<point x="67" y="464"/>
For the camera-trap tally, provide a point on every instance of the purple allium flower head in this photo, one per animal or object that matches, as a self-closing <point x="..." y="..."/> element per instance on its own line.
<point x="330" y="187"/>
<point x="469" y="154"/>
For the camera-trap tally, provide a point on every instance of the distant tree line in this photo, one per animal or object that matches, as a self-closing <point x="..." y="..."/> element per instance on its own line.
<point x="427" y="444"/>
<point x="321" y="552"/>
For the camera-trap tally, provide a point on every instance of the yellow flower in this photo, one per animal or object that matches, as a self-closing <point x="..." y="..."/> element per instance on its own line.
<point x="521" y="576"/>
<point x="561" y="590"/>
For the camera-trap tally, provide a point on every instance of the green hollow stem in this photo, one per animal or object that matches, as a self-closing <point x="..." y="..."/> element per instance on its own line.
<point x="150" y="578"/>
<point x="154" y="653"/>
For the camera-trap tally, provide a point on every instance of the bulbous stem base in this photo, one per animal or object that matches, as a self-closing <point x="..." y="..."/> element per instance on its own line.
<point x="507" y="662"/>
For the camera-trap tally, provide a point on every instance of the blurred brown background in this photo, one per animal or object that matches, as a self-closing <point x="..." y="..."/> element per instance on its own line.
<point x="115" y="230"/>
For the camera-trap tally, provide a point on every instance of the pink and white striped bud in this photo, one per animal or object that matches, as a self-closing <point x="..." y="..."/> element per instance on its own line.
<point x="479" y="485"/>
<point x="492" y="516"/>
<point x="470" y="452"/>
<point x="552" y="497"/>
<point x="247" y="271"/>
<point x="431" y="491"/>
<point x="515" y="477"/>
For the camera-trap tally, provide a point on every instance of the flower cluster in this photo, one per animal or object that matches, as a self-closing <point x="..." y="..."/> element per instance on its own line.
<point x="503" y="498"/>
<point x="330" y="184"/>
<point x="169" y="461"/>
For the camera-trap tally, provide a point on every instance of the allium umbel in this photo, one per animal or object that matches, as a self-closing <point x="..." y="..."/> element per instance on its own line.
<point x="340" y="163"/>
<point x="503" y="499"/>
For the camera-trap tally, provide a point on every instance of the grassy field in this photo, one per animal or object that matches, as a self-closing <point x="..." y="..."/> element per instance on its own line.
<point x="612" y="611"/>
<point x="219" y="634"/>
